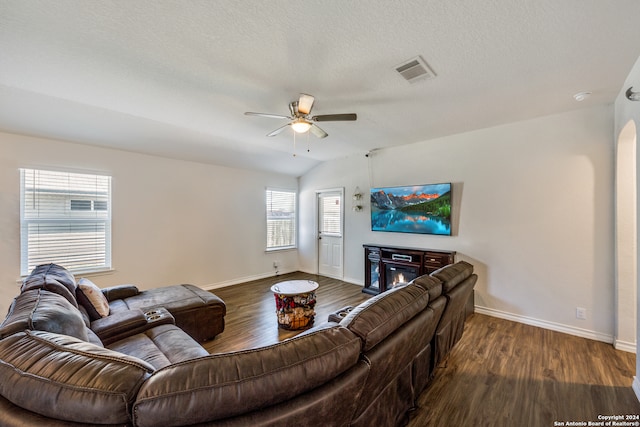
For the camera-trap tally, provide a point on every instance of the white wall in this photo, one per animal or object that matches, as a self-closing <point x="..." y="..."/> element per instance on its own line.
<point x="533" y="200"/>
<point x="173" y="221"/>
<point x="625" y="238"/>
<point x="625" y="112"/>
<point x="533" y="212"/>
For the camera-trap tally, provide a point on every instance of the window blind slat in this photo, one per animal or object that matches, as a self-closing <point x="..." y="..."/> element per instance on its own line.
<point x="65" y="219"/>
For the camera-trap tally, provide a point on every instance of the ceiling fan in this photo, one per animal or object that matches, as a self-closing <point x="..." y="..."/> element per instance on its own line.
<point x="301" y="118"/>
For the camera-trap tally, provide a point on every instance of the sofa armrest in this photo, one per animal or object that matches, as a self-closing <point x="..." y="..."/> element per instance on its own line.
<point x="340" y="314"/>
<point x="118" y="323"/>
<point x="120" y="292"/>
<point x="126" y="323"/>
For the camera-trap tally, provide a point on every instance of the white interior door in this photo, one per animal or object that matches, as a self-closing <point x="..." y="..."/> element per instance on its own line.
<point x="330" y="214"/>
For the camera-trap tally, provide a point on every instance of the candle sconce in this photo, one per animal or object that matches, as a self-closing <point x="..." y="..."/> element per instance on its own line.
<point x="357" y="200"/>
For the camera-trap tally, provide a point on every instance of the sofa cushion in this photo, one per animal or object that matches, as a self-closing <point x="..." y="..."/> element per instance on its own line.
<point x="331" y="404"/>
<point x="38" y="309"/>
<point x="52" y="278"/>
<point x="451" y="325"/>
<point x="432" y="284"/>
<point x="93" y="338"/>
<point x="92" y="299"/>
<point x="453" y="274"/>
<point x="64" y="378"/>
<point x="224" y="385"/>
<point x="85" y="315"/>
<point x="160" y="346"/>
<point x="389" y="386"/>
<point x="374" y="319"/>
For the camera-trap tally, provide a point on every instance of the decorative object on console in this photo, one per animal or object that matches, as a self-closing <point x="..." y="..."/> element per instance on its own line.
<point x="631" y="95"/>
<point x="423" y="209"/>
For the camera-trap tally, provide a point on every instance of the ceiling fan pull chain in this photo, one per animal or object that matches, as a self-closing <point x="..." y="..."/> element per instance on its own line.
<point x="294" y="144"/>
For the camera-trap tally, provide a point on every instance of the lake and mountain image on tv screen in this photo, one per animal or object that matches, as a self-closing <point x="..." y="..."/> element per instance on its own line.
<point x="424" y="209"/>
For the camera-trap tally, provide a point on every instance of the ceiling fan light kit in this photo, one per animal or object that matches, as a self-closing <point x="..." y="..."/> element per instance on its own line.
<point x="300" y="125"/>
<point x="301" y="120"/>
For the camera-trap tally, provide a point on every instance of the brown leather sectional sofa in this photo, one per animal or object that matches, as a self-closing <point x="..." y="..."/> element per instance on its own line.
<point x="366" y="370"/>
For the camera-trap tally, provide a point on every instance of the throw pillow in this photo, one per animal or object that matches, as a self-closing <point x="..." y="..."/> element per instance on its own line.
<point x="92" y="299"/>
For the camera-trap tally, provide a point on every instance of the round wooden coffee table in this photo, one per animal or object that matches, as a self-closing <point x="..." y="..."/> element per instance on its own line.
<point x="295" y="302"/>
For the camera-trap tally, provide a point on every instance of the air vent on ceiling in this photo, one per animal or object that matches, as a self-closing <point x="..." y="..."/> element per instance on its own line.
<point x="415" y="69"/>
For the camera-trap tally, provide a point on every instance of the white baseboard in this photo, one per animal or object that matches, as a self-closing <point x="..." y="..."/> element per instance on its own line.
<point x="353" y="281"/>
<point x="625" y="346"/>
<point x="266" y="275"/>
<point x="243" y="280"/>
<point x="571" y="330"/>
<point x="636" y="387"/>
<point x="344" y="279"/>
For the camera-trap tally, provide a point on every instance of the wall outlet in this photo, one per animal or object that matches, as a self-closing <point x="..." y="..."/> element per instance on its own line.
<point x="581" y="313"/>
<point x="275" y="264"/>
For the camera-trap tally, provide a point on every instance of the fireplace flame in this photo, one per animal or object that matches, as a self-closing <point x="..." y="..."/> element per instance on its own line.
<point x="398" y="278"/>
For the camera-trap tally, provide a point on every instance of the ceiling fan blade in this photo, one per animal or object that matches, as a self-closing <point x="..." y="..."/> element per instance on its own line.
<point x="335" y="117"/>
<point x="279" y="130"/>
<point x="273" y="116"/>
<point x="305" y="103"/>
<point x="317" y="131"/>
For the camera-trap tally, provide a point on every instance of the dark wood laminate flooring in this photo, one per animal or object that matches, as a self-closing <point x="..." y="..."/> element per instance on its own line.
<point x="501" y="373"/>
<point x="251" y="310"/>
<point x="504" y="373"/>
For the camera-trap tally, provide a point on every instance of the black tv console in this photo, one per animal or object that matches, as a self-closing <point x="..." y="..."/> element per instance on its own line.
<point x="387" y="265"/>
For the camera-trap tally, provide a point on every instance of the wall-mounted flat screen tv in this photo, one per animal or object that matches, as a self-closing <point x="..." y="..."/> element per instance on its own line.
<point x="423" y="209"/>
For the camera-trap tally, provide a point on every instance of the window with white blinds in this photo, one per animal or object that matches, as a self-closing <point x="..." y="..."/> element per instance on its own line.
<point x="331" y="214"/>
<point x="281" y="219"/>
<point x="65" y="218"/>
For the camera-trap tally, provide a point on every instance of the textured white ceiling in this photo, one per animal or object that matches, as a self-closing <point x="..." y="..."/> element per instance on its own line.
<point x="173" y="78"/>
